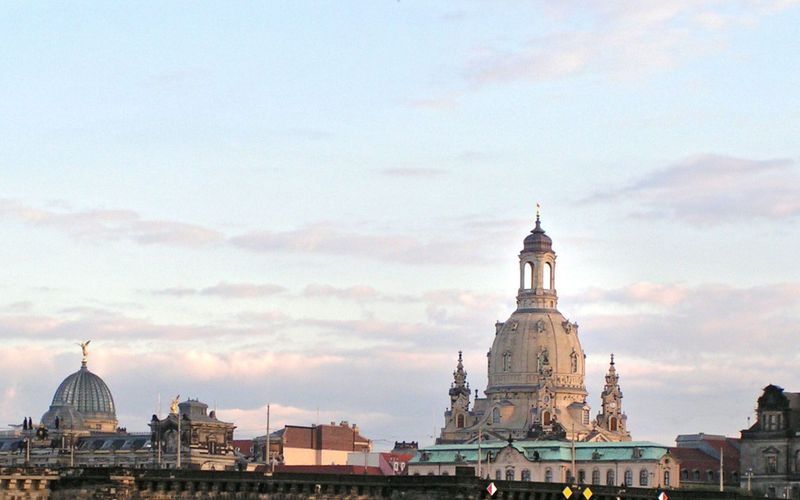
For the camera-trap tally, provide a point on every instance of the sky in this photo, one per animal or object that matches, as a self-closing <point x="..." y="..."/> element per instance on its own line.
<point x="316" y="205"/>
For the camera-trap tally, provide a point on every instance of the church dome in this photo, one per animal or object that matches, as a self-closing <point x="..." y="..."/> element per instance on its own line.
<point x="83" y="400"/>
<point x="86" y="392"/>
<point x="531" y="345"/>
<point x="537" y="241"/>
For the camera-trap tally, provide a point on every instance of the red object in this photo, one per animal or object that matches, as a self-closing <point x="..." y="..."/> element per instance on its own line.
<point x="492" y="489"/>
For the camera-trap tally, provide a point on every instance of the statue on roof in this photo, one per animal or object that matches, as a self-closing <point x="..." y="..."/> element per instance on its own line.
<point x="173" y="407"/>
<point x="84" y="349"/>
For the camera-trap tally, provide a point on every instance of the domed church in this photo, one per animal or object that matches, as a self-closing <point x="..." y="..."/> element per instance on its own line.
<point x="82" y="402"/>
<point x="536" y="370"/>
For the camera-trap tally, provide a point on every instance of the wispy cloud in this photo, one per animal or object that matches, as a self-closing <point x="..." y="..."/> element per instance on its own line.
<point x="412" y="172"/>
<point x="327" y="239"/>
<point x="713" y="189"/>
<point x="112" y="225"/>
<point x="226" y="290"/>
<point x="618" y="39"/>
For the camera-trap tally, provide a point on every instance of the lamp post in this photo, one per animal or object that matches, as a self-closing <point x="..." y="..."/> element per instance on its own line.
<point x="749" y="476"/>
<point x="180" y="444"/>
<point x="480" y="440"/>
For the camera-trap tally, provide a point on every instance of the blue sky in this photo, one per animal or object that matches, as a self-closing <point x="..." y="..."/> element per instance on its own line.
<point x="318" y="204"/>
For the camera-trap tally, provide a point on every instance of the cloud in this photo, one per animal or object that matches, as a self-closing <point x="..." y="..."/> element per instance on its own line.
<point x="112" y="225"/>
<point x="709" y="189"/>
<point x="618" y="39"/>
<point x="226" y="290"/>
<point x="326" y="239"/>
<point x="412" y="172"/>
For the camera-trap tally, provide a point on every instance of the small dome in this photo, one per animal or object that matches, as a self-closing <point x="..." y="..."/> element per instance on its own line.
<point x="68" y="417"/>
<point x="87" y="393"/>
<point x="537" y="241"/>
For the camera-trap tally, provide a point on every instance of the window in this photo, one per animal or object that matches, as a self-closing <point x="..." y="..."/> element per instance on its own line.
<point x="528" y="279"/>
<point x="460" y="421"/>
<point x="628" y="477"/>
<point x="548" y="475"/>
<point x="507" y="362"/>
<point x="573" y="362"/>
<point x="643" y="477"/>
<point x="546" y="418"/>
<point x="695" y="475"/>
<point x="684" y="475"/>
<point x="569" y="476"/>
<point x="585" y="417"/>
<point x="526" y="475"/>
<point x="581" y="476"/>
<point x="612" y="424"/>
<point x="710" y="476"/>
<point x="666" y="478"/>
<point x="510" y="474"/>
<point x="610" y="477"/>
<point x="595" y="476"/>
<point x="496" y="416"/>
<point x="771" y="464"/>
<point x="498" y="475"/>
<point x="547" y="276"/>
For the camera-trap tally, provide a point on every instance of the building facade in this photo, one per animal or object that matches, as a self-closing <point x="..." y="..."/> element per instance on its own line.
<point x="536" y="368"/>
<point x="311" y="445"/>
<point x="640" y="464"/>
<point x="770" y="448"/>
<point x="206" y="443"/>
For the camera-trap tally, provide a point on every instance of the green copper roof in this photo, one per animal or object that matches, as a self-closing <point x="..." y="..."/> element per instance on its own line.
<point x="547" y="450"/>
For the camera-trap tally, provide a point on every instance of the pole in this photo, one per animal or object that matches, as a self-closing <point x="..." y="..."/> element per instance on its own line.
<point x="573" y="452"/>
<point x="721" y="470"/>
<point x="180" y="443"/>
<point x="71" y="448"/>
<point x="480" y="434"/>
<point x="268" y="442"/>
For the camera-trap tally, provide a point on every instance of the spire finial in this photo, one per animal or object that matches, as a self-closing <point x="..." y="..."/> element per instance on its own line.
<point x="538" y="211"/>
<point x="612" y="358"/>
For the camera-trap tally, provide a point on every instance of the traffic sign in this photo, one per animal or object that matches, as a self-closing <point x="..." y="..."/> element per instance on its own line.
<point x="566" y="492"/>
<point x="492" y="489"/>
<point x="663" y="496"/>
<point x="587" y="493"/>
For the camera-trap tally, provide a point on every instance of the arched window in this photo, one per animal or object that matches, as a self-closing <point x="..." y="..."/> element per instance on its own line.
<point x="666" y="478"/>
<point x="526" y="475"/>
<point x="684" y="475"/>
<point x="610" y="477"/>
<point x="547" y="274"/>
<point x="612" y="424"/>
<point x="527" y="279"/>
<point x="628" y="477"/>
<point x="460" y="421"/>
<point x="569" y="478"/>
<point x="695" y="475"/>
<point x="498" y="475"/>
<point x="643" y="477"/>
<point x="710" y="475"/>
<point x="510" y="474"/>
<point x="595" y="476"/>
<point x="495" y="415"/>
<point x="546" y="418"/>
<point x="548" y="475"/>
<point x="573" y="362"/>
<point x="581" y="476"/>
<point x="507" y="362"/>
<point x="735" y="476"/>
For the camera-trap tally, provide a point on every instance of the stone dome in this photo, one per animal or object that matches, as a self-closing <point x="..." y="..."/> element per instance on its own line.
<point x="531" y="344"/>
<point x="537" y="241"/>
<point x="86" y="394"/>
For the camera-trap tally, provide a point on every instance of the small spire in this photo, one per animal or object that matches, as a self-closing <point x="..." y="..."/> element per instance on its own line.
<point x="612" y="358"/>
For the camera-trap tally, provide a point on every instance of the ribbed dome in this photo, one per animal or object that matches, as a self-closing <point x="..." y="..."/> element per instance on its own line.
<point x="537" y="241"/>
<point x="87" y="393"/>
